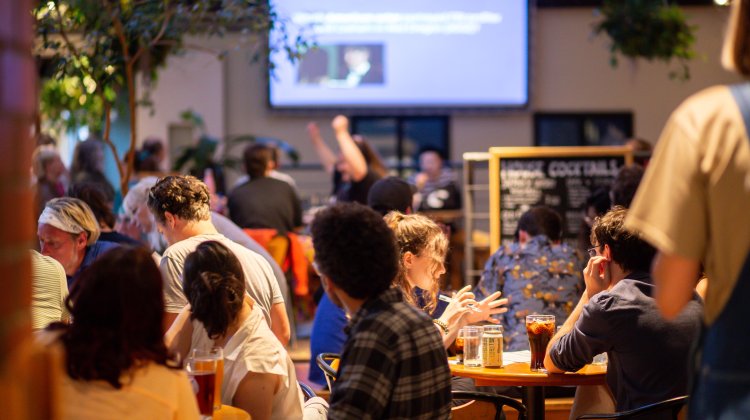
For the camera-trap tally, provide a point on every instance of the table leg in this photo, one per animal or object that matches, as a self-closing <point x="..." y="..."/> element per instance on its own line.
<point x="533" y="398"/>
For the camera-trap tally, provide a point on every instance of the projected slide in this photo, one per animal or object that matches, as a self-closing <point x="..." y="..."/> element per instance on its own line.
<point x="408" y="53"/>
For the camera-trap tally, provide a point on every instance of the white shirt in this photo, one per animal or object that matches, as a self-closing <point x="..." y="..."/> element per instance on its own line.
<point x="260" y="283"/>
<point x="254" y="348"/>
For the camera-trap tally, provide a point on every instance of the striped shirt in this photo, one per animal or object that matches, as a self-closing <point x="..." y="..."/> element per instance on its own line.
<point x="49" y="289"/>
<point x="394" y="365"/>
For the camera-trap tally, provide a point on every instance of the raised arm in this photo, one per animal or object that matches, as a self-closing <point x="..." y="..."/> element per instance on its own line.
<point x="180" y="334"/>
<point x="675" y="278"/>
<point x="349" y="150"/>
<point x="326" y="156"/>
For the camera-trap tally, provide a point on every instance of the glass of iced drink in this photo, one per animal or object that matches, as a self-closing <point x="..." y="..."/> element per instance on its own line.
<point x="460" y="346"/>
<point x="540" y="329"/>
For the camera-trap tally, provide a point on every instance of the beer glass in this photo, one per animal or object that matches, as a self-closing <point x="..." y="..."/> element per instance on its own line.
<point x="540" y="329"/>
<point x="460" y="346"/>
<point x="202" y="373"/>
<point x="492" y="346"/>
<point x="216" y="353"/>
<point x="472" y="340"/>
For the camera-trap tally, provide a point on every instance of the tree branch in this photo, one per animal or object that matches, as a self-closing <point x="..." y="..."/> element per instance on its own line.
<point x="168" y="12"/>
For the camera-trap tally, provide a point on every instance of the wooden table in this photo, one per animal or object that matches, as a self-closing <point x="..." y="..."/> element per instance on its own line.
<point x="227" y="412"/>
<point x="532" y="383"/>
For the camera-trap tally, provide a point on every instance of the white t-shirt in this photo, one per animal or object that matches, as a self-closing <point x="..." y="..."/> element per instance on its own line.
<point x="260" y="283"/>
<point x="254" y="348"/>
<point x="154" y="392"/>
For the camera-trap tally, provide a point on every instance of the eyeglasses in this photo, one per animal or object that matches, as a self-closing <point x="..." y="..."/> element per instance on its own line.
<point x="592" y="251"/>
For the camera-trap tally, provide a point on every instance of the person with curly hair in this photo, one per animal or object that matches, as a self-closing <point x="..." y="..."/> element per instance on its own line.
<point x="180" y="205"/>
<point x="259" y="375"/>
<point x="422" y="249"/>
<point x="116" y="361"/>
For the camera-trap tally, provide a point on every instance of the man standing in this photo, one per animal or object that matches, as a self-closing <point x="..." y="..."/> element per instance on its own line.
<point x="180" y="207"/>
<point x="393" y="364"/>
<point x="617" y="314"/>
<point x="537" y="274"/>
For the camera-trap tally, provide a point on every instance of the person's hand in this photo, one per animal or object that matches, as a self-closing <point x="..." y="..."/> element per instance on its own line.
<point x="312" y="130"/>
<point x="491" y="305"/>
<point x="340" y="123"/>
<point x="420" y="179"/>
<point x="456" y="311"/>
<point x="597" y="275"/>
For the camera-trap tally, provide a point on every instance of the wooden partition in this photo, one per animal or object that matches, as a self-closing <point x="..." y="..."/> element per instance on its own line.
<point x="559" y="177"/>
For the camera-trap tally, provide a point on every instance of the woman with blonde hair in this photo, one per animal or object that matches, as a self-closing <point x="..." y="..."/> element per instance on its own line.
<point x="423" y="247"/>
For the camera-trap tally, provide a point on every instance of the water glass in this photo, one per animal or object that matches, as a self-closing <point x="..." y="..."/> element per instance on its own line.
<point x="472" y="340"/>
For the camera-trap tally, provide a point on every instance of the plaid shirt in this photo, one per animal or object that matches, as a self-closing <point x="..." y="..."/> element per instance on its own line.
<point x="394" y="365"/>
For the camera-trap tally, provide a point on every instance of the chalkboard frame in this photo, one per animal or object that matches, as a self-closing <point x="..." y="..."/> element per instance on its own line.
<point x="499" y="153"/>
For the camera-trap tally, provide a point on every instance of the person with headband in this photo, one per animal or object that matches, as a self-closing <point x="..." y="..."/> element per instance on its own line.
<point x="68" y="232"/>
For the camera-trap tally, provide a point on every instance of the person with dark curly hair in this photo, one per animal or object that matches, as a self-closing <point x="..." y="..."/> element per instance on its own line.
<point x="259" y="375"/>
<point x="393" y="364"/>
<point x="180" y="205"/>
<point x="617" y="314"/>
<point x="116" y="361"/>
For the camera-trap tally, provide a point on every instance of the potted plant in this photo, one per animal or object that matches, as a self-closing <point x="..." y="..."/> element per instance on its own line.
<point x="649" y="29"/>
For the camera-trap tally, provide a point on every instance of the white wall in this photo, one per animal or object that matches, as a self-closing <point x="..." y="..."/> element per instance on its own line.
<point x="569" y="72"/>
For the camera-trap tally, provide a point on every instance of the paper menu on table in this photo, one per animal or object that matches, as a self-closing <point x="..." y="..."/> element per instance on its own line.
<point x="523" y="356"/>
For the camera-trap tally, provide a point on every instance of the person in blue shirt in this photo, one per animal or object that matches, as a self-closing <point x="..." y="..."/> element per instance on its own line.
<point x="68" y="232"/>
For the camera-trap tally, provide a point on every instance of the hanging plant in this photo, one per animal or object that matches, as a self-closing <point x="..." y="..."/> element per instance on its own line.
<point x="649" y="29"/>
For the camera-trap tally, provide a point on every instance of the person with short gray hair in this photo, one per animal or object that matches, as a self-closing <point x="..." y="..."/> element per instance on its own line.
<point x="68" y="232"/>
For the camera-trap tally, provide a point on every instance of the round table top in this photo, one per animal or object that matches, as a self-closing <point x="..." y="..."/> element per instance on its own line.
<point x="227" y="412"/>
<point x="519" y="374"/>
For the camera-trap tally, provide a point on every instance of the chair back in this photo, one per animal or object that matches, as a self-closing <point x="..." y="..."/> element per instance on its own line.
<point x="668" y="409"/>
<point x="306" y="390"/>
<point x="484" y="405"/>
<point x="329" y="364"/>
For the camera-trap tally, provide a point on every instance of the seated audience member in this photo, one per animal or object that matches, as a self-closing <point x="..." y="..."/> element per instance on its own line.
<point x="537" y="274"/>
<point x="88" y="166"/>
<point x="49" y="289"/>
<point x="274" y="173"/>
<point x="355" y="169"/>
<point x="422" y="248"/>
<point x="150" y="156"/>
<point x="264" y="202"/>
<point x="597" y="204"/>
<point x="92" y="195"/>
<point x="49" y="171"/>
<point x="617" y="314"/>
<point x="259" y="375"/>
<point x="393" y="364"/>
<point x="437" y="185"/>
<point x="116" y="361"/>
<point x="69" y="233"/>
<point x="180" y="206"/>
<point x="626" y="184"/>
<point x="327" y="334"/>
<point x="389" y="194"/>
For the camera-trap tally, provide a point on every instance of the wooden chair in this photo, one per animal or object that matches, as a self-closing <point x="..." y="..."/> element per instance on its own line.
<point x="669" y="409"/>
<point x="484" y="405"/>
<point x="329" y="364"/>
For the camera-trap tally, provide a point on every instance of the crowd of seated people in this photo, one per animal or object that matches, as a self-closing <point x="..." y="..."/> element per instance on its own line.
<point x="127" y="313"/>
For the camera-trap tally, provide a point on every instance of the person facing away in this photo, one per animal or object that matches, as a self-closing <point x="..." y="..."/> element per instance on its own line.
<point x="538" y="274"/>
<point x="258" y="375"/>
<point x="648" y="356"/>
<point x="69" y="233"/>
<point x="117" y="365"/>
<point x="264" y="202"/>
<point x="693" y="206"/>
<point x="181" y="211"/>
<point x="393" y="364"/>
<point x="92" y="195"/>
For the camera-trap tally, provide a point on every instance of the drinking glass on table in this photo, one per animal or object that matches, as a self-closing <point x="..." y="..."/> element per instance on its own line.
<point x="216" y="353"/>
<point x="472" y="339"/>
<point x="201" y="369"/>
<point x="540" y="329"/>
<point x="460" y="346"/>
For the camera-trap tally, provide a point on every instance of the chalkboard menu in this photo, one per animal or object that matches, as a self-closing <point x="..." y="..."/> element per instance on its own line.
<point x="559" y="177"/>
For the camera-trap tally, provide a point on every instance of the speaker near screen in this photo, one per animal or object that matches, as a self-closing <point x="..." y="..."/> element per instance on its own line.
<point x="395" y="54"/>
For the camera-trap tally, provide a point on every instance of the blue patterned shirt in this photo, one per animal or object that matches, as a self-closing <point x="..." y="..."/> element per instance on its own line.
<point x="539" y="278"/>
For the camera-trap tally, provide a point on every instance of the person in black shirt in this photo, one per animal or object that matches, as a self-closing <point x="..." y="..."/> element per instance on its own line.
<point x="264" y="202"/>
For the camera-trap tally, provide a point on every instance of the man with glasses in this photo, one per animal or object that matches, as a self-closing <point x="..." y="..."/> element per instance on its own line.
<point x="537" y="274"/>
<point x="617" y="314"/>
